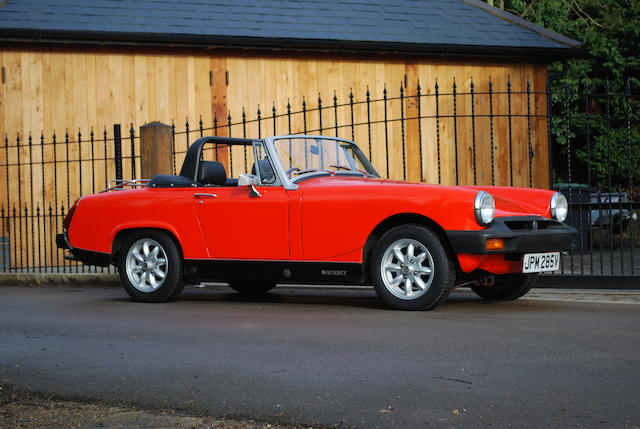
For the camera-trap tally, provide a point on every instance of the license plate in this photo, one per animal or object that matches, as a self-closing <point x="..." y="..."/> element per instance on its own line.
<point x="540" y="262"/>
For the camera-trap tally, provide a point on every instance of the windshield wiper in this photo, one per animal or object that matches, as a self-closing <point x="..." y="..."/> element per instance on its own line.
<point x="342" y="167"/>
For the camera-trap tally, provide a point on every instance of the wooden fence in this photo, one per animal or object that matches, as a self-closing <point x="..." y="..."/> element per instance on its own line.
<point x="485" y="133"/>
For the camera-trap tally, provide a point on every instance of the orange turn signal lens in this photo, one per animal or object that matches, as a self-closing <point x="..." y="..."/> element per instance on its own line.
<point x="494" y="244"/>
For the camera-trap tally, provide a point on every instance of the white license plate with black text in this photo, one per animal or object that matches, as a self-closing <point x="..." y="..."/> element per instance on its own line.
<point x="540" y="262"/>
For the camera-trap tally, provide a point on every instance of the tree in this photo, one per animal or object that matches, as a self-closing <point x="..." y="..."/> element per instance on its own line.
<point x="605" y="141"/>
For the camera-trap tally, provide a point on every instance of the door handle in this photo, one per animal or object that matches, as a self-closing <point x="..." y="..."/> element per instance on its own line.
<point x="199" y="195"/>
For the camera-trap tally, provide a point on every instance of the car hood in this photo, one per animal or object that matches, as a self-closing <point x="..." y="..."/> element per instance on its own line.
<point x="510" y="201"/>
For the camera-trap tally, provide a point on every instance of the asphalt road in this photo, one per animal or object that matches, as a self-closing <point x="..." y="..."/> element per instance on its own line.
<point x="331" y="357"/>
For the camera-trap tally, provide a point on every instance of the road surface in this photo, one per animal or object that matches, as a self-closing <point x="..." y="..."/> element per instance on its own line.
<point x="331" y="357"/>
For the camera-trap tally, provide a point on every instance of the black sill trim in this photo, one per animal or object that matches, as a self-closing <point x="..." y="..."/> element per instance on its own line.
<point x="516" y="241"/>
<point x="280" y="44"/>
<point x="344" y="273"/>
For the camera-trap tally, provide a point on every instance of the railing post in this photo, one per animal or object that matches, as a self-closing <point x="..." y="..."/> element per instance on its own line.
<point x="155" y="149"/>
<point x="117" y="150"/>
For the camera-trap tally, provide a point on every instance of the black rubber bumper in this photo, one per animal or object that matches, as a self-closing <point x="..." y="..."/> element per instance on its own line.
<point x="87" y="257"/>
<point x="61" y="242"/>
<point x="520" y="235"/>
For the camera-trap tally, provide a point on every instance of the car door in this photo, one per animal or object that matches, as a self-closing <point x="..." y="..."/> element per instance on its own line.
<point x="237" y="224"/>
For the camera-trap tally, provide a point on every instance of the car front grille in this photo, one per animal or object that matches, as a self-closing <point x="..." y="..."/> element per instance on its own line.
<point x="532" y="224"/>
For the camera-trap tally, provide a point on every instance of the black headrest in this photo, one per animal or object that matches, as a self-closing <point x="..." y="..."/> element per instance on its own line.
<point x="266" y="172"/>
<point x="212" y="173"/>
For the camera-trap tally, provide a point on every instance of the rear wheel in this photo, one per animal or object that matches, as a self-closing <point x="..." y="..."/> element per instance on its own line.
<point x="252" y="287"/>
<point x="508" y="287"/>
<point x="150" y="267"/>
<point x="411" y="269"/>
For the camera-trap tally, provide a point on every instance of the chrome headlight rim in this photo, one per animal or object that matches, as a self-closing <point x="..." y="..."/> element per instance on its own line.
<point x="484" y="208"/>
<point x="559" y="207"/>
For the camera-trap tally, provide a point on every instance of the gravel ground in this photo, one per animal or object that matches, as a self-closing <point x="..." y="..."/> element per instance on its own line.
<point x="23" y="410"/>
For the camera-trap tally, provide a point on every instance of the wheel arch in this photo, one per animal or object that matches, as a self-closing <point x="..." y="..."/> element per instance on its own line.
<point x="121" y="237"/>
<point x="403" y="219"/>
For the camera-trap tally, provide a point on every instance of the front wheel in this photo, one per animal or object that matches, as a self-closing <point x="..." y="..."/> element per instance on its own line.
<point x="150" y="267"/>
<point x="508" y="287"/>
<point x="411" y="269"/>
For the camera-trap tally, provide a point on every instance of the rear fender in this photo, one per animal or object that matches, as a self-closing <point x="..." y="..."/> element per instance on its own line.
<point x="122" y="233"/>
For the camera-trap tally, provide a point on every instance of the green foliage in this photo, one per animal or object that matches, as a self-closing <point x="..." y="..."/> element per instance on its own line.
<point x="592" y="127"/>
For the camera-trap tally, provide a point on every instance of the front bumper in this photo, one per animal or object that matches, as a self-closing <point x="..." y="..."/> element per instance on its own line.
<point x="521" y="234"/>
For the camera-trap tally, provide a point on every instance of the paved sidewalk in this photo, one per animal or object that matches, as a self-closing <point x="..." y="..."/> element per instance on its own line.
<point x="604" y="296"/>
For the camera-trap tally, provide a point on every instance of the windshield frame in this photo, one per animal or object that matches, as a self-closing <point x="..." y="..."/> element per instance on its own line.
<point x="291" y="183"/>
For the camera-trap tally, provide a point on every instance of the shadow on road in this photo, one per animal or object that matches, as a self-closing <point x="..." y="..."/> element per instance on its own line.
<point x="358" y="298"/>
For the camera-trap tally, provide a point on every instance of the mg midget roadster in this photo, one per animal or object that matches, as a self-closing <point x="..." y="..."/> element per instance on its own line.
<point x="314" y="210"/>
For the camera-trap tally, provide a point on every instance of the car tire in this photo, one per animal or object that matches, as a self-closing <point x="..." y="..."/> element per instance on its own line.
<point x="252" y="287"/>
<point x="150" y="267"/>
<point x="411" y="269"/>
<point x="507" y="287"/>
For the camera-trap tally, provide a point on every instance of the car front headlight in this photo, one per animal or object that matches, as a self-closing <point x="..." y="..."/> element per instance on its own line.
<point x="559" y="207"/>
<point x="484" y="207"/>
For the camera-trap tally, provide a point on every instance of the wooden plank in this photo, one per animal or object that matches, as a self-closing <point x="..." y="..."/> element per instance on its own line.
<point x="152" y="107"/>
<point x="129" y="113"/>
<point x="244" y="84"/>
<point x="268" y="93"/>
<point x="359" y="86"/>
<point x="178" y="89"/>
<point x="413" y="131"/>
<point x="90" y="59"/>
<point x="464" y="127"/>
<point x="202" y="90"/>
<point x="540" y="139"/>
<point x="13" y="117"/>
<point x="378" y="141"/>
<point x="425" y="72"/>
<point x="128" y="91"/>
<point x="219" y="104"/>
<point x="519" y="127"/>
<point x="104" y="96"/>
<point x="445" y="75"/>
<point x="175" y="89"/>
<point x="189" y="93"/>
<point x="141" y="90"/>
<point x="163" y="89"/>
<point x="284" y="76"/>
<point x="80" y="124"/>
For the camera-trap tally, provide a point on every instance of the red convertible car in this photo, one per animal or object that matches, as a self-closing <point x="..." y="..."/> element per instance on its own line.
<point x="316" y="211"/>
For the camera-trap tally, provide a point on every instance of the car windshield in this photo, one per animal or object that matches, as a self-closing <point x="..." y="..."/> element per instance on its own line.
<point x="302" y="155"/>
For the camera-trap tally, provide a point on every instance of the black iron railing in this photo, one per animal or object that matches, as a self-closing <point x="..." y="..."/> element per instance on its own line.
<point x="42" y="178"/>
<point x="583" y="142"/>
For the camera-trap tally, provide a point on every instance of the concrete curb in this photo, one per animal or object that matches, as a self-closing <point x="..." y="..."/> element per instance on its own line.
<point x="59" y="279"/>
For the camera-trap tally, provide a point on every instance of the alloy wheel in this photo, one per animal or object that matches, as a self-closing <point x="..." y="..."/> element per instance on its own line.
<point x="407" y="269"/>
<point x="146" y="265"/>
